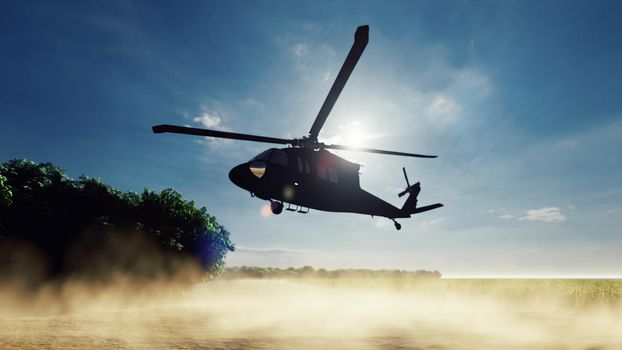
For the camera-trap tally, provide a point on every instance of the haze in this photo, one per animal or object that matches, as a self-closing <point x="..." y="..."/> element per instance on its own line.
<point x="310" y="314"/>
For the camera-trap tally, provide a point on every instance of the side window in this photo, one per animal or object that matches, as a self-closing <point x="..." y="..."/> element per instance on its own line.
<point x="279" y="157"/>
<point x="300" y="166"/>
<point x="307" y="167"/>
<point x="332" y="175"/>
<point x="262" y="156"/>
<point x="322" y="173"/>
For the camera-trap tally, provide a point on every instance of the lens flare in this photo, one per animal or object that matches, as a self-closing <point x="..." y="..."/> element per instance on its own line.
<point x="288" y="193"/>
<point x="266" y="212"/>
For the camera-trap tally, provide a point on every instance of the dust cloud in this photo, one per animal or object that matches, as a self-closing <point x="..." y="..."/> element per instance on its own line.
<point x="162" y="313"/>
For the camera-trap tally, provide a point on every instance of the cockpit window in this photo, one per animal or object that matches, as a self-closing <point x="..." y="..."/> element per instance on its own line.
<point x="262" y="156"/>
<point x="300" y="167"/>
<point x="322" y="173"/>
<point x="332" y="175"/>
<point x="279" y="157"/>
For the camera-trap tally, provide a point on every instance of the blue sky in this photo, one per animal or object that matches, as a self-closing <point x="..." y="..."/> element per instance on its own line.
<point x="520" y="100"/>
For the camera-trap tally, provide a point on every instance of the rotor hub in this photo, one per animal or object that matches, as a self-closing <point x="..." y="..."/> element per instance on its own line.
<point x="306" y="142"/>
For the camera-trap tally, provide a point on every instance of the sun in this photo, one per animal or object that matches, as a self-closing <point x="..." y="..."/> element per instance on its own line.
<point x="353" y="138"/>
<point x="356" y="137"/>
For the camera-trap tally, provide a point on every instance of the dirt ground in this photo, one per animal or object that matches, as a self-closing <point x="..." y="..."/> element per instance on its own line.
<point x="280" y="314"/>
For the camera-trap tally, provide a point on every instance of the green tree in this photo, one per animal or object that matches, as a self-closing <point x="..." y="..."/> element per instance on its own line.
<point x="41" y="205"/>
<point x="5" y="191"/>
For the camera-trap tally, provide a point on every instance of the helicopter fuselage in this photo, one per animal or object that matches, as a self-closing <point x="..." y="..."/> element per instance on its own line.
<point x="306" y="178"/>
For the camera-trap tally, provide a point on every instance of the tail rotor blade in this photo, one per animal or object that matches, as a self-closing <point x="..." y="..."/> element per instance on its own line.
<point x="406" y="177"/>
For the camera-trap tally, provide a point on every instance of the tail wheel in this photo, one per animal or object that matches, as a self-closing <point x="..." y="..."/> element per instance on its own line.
<point x="398" y="226"/>
<point x="276" y="207"/>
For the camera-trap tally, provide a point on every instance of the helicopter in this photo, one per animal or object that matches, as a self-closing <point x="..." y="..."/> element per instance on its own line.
<point x="305" y="175"/>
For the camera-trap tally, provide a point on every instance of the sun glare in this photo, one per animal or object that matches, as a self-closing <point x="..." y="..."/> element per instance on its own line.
<point x="354" y="138"/>
<point x="352" y="134"/>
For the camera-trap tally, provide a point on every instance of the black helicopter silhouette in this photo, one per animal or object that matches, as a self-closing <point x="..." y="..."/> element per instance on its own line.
<point x="305" y="174"/>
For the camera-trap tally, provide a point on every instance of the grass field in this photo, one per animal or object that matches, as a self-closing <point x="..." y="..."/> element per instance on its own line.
<point x="572" y="291"/>
<point x="319" y="314"/>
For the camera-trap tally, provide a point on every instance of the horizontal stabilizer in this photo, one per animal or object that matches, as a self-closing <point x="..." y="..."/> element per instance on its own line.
<point x="426" y="208"/>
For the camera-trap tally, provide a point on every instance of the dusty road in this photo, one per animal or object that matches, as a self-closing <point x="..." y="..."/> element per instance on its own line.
<point x="272" y="314"/>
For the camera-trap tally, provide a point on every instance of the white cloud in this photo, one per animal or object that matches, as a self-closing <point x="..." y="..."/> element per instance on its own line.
<point x="208" y="120"/>
<point x="506" y="216"/>
<point x="313" y="62"/>
<point x="433" y="222"/>
<point x="550" y="214"/>
<point x="472" y="83"/>
<point x="443" y="109"/>
<point x="435" y="109"/>
<point x="381" y="222"/>
<point x="298" y="50"/>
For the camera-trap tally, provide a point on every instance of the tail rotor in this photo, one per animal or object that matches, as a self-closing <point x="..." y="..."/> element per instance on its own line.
<point x="409" y="188"/>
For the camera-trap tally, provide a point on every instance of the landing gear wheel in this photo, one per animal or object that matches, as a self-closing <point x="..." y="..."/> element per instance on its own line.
<point x="276" y="207"/>
<point x="397" y="225"/>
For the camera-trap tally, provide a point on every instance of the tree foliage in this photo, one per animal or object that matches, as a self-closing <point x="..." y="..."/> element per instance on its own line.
<point x="235" y="272"/>
<point x="41" y="205"/>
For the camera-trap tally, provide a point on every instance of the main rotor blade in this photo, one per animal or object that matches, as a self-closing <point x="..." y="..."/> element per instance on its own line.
<point x="380" y="151"/>
<point x="361" y="37"/>
<point x="158" y="129"/>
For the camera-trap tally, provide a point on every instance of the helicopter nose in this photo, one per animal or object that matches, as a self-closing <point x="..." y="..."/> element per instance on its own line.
<point x="242" y="177"/>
